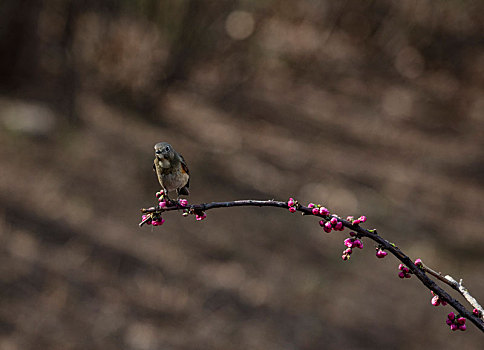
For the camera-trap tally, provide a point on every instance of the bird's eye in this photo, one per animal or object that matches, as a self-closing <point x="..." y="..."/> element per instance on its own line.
<point x="167" y="149"/>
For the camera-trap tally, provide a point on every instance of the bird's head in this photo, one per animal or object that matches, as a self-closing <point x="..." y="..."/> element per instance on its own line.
<point x="163" y="150"/>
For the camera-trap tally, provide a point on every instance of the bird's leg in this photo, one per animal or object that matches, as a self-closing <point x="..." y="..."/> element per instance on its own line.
<point x="166" y="198"/>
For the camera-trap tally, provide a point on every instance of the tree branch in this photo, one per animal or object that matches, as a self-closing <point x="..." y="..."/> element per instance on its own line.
<point x="418" y="271"/>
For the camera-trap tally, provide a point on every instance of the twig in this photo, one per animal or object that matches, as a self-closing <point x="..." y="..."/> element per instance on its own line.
<point x="463" y="290"/>
<point x="361" y="232"/>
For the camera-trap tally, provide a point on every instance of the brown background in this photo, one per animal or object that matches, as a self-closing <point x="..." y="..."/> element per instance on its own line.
<point x="369" y="107"/>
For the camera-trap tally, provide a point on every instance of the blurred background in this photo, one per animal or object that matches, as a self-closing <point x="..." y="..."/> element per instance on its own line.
<point x="368" y="107"/>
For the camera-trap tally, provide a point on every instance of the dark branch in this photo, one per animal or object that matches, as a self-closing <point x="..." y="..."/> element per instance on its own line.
<point x="419" y="272"/>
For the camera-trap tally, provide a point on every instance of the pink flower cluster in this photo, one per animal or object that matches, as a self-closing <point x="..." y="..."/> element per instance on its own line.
<point x="354" y="221"/>
<point x="157" y="221"/>
<point x="436" y="301"/>
<point x="404" y="271"/>
<point x="161" y="199"/>
<point x="456" y="322"/>
<point x="351" y="243"/>
<point x="291" y="203"/>
<point x="332" y="224"/>
<point x="318" y="209"/>
<point x="183" y="202"/>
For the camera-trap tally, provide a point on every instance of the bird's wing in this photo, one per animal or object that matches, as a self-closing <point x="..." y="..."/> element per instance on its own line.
<point x="185" y="169"/>
<point x="184" y="165"/>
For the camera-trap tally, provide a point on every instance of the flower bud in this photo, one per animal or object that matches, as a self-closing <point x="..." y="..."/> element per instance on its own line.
<point x="381" y="254"/>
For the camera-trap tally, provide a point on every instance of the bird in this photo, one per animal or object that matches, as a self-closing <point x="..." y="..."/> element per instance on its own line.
<point x="171" y="169"/>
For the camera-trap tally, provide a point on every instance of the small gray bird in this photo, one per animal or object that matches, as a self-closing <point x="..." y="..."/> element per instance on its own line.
<point x="171" y="169"/>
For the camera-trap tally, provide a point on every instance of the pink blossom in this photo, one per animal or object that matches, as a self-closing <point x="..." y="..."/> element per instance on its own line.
<point x="333" y="221"/>
<point x="200" y="217"/>
<point x="356" y="222"/>
<point x="345" y="256"/>
<point x="162" y="204"/>
<point x="454" y="327"/>
<point x="315" y="211"/>
<point x="292" y="209"/>
<point x="338" y="226"/>
<point x="328" y="225"/>
<point x="312" y="205"/>
<point x="290" y="202"/>
<point x="321" y="223"/>
<point x="418" y="262"/>
<point x="401" y="274"/>
<point x="326" y="229"/>
<point x="381" y="254"/>
<point x="158" y="222"/>
<point x="349" y="242"/>
<point x="348" y="251"/>
<point x="358" y="243"/>
<point x="362" y="218"/>
<point x="461" y="320"/>
<point x="435" y="301"/>
<point x="451" y="316"/>
<point x="462" y="327"/>
<point x="183" y="202"/>
<point x="323" y="211"/>
<point x="350" y="218"/>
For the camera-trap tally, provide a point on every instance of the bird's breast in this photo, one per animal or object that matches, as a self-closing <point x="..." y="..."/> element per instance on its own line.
<point x="174" y="180"/>
<point x="163" y="163"/>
